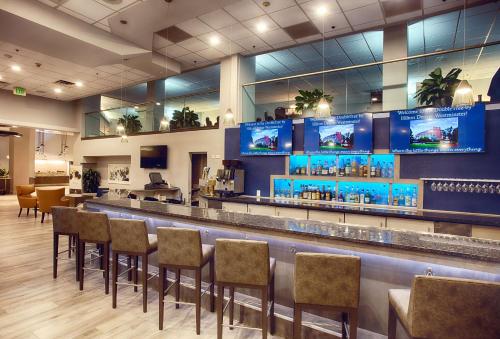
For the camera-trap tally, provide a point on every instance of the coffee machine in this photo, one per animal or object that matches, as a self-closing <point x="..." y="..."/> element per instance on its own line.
<point x="230" y="180"/>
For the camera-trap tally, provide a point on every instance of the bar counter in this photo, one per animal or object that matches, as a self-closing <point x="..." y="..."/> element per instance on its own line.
<point x="389" y="258"/>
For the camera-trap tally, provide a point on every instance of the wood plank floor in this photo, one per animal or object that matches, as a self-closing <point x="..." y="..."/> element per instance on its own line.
<point x="34" y="305"/>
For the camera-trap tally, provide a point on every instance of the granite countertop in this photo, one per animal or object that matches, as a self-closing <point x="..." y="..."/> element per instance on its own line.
<point x="406" y="213"/>
<point x="442" y="244"/>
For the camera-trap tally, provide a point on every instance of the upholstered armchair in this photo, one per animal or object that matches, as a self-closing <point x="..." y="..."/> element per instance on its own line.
<point x="25" y="199"/>
<point x="48" y="198"/>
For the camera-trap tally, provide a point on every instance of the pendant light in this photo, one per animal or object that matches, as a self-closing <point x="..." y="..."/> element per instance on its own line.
<point x="323" y="109"/>
<point x="164" y="122"/>
<point x="229" y="115"/>
<point x="120" y="128"/>
<point x="463" y="96"/>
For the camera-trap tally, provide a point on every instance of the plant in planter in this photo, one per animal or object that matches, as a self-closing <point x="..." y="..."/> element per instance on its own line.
<point x="131" y="123"/>
<point x="438" y="91"/>
<point x="90" y="181"/>
<point x="185" y="118"/>
<point x="3" y="172"/>
<point x="308" y="100"/>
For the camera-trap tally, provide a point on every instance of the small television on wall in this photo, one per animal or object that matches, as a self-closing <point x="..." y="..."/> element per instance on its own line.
<point x="266" y="138"/>
<point x="154" y="156"/>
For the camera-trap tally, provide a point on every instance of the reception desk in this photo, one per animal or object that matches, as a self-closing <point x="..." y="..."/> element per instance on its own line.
<point x="389" y="258"/>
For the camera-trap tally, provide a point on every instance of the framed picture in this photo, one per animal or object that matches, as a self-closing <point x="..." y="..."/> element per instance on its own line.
<point x="75" y="177"/>
<point x="119" y="174"/>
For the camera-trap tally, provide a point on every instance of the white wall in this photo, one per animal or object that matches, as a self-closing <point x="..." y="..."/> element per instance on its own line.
<point x="4" y="152"/>
<point x="38" y="112"/>
<point x="180" y="145"/>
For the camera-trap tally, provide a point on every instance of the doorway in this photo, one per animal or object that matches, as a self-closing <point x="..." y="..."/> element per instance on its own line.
<point x="198" y="162"/>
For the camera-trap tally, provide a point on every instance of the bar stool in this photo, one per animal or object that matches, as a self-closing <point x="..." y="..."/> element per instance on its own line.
<point x="131" y="238"/>
<point x="64" y="222"/>
<point x="244" y="264"/>
<point x="181" y="249"/>
<point x="94" y="228"/>
<point x="327" y="282"/>
<point x="441" y="307"/>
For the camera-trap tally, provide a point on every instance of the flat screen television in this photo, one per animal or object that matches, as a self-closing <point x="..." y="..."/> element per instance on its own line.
<point x="154" y="156"/>
<point x="438" y="130"/>
<point x="266" y="138"/>
<point x="339" y="134"/>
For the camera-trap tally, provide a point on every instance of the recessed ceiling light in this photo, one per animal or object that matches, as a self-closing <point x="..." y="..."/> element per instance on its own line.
<point x="57" y="90"/>
<point x="136" y="107"/>
<point x="261" y="27"/>
<point x="158" y="104"/>
<point x="78" y="84"/>
<point x="215" y="40"/>
<point x="15" y="68"/>
<point x="321" y="10"/>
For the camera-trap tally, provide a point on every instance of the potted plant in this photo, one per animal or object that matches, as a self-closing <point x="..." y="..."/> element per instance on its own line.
<point x="131" y="123"/>
<point x="4" y="172"/>
<point x="307" y="101"/>
<point x="90" y="181"/>
<point x="438" y="91"/>
<point x="184" y="118"/>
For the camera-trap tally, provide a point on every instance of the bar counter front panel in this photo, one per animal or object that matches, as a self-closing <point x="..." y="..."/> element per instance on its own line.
<point x="389" y="259"/>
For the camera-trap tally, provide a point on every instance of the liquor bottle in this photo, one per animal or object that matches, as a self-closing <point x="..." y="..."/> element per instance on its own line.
<point x="395" y="198"/>
<point x="348" y="168"/>
<point x="414" y="198"/>
<point x="319" y="168"/>
<point x="384" y="170"/>
<point x="330" y="168"/>
<point x="328" y="195"/>
<point x="372" y="169"/>
<point x="401" y="197"/>
<point x="340" y="197"/>
<point x="297" y="170"/>
<point x="354" y="168"/>
<point x="367" y="197"/>
<point x="390" y="170"/>
<point x="378" y="170"/>
<point x="362" y="196"/>
<point x="408" y="198"/>
<point x="341" y="169"/>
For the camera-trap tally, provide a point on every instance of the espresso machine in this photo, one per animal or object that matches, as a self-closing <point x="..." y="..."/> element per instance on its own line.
<point x="230" y="180"/>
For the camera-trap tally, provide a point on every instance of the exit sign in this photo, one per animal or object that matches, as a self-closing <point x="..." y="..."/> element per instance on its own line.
<point x="19" y="91"/>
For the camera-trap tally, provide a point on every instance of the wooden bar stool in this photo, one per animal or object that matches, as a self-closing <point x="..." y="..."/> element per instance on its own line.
<point x="64" y="222"/>
<point x="244" y="264"/>
<point x="181" y="249"/>
<point x="441" y="307"/>
<point x="94" y="228"/>
<point x="131" y="238"/>
<point x="327" y="282"/>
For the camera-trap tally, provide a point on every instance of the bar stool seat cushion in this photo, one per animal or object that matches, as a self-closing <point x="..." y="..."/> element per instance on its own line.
<point x="207" y="251"/>
<point x="400" y="301"/>
<point x="152" y="241"/>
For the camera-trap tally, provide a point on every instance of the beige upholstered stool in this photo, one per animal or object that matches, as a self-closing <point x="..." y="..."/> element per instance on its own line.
<point x="181" y="249"/>
<point x="244" y="264"/>
<point x="94" y="228"/>
<point x="131" y="238"/>
<point x="64" y="222"/>
<point x="327" y="282"/>
<point x="440" y="307"/>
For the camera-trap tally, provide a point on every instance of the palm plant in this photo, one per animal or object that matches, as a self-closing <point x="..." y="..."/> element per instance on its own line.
<point x="131" y="123"/>
<point x="310" y="99"/>
<point x="90" y="181"/>
<point x="184" y="118"/>
<point x="438" y="91"/>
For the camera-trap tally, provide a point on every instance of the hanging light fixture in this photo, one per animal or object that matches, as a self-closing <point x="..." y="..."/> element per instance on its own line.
<point x="323" y="109"/>
<point x="164" y="125"/>
<point x="463" y="96"/>
<point x="120" y="128"/>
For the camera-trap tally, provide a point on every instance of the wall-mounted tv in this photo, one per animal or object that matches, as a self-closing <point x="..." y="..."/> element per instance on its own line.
<point x="154" y="156"/>
<point x="266" y="138"/>
<point x="339" y="134"/>
<point x="438" y="130"/>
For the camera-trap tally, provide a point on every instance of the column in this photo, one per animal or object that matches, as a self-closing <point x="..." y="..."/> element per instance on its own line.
<point x="22" y="157"/>
<point x="395" y="75"/>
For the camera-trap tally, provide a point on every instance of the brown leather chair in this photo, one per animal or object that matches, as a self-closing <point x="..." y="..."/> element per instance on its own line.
<point x="48" y="198"/>
<point x="327" y="282"/>
<point x="441" y="307"/>
<point x="130" y="237"/>
<point x="180" y="248"/>
<point x="244" y="264"/>
<point x="25" y="199"/>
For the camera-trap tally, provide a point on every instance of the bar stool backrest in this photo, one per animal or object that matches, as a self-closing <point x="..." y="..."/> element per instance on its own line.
<point x="129" y="235"/>
<point x="64" y="219"/>
<point x="179" y="246"/>
<point x="327" y="279"/>
<point x="93" y="226"/>
<point x="443" y="307"/>
<point x="242" y="262"/>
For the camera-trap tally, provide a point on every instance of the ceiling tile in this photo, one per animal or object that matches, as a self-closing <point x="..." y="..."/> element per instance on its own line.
<point x="194" y="27"/>
<point x="244" y="10"/>
<point x="252" y="43"/>
<point x="311" y="8"/>
<point x="284" y="44"/>
<point x="160" y="42"/>
<point x="229" y="48"/>
<point x="193" y="44"/>
<point x="370" y="24"/>
<point x="48" y="3"/>
<point x="77" y="15"/>
<point x="337" y="20"/>
<point x="262" y="20"/>
<point x="289" y="16"/>
<point x="275" y="5"/>
<point x="235" y="32"/>
<point x="117" y="5"/>
<point x="364" y="14"/>
<point x="211" y="54"/>
<point x="218" y="19"/>
<point x="348" y="5"/>
<point x="432" y="6"/>
<point x="173" y="51"/>
<point x="309" y="38"/>
<point x="90" y="9"/>
<point x="191" y="58"/>
<point x="101" y="26"/>
<point x="404" y="17"/>
<point x="275" y="37"/>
